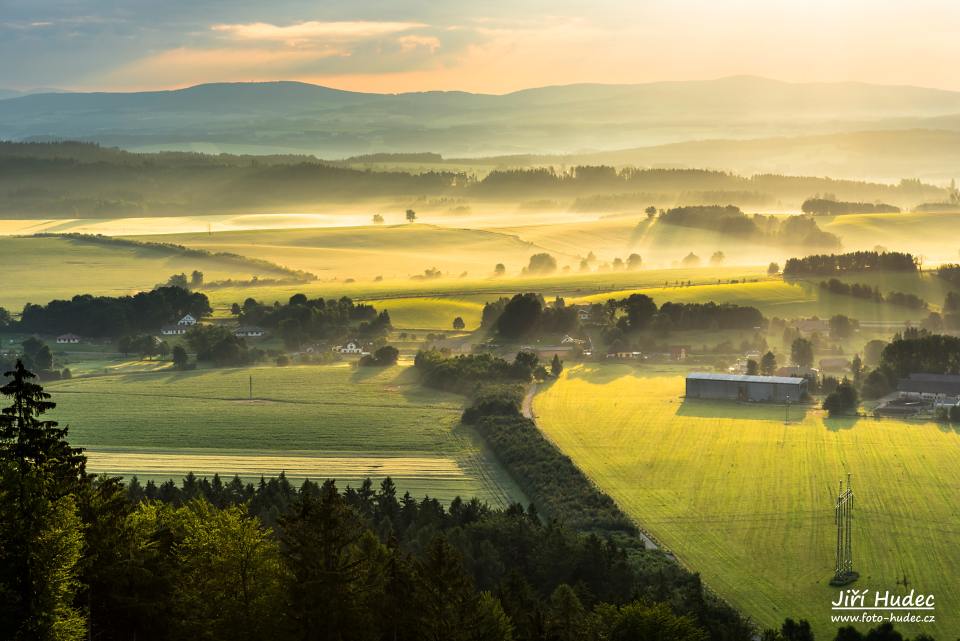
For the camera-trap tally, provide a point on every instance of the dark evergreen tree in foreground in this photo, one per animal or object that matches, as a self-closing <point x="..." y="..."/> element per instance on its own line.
<point x="41" y="536"/>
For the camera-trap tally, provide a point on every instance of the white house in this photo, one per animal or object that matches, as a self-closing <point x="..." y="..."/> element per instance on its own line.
<point x="187" y="320"/>
<point x="250" y="331"/>
<point x="173" y="330"/>
<point x="566" y="340"/>
<point x="583" y="313"/>
<point x="68" y="339"/>
<point x="351" y="347"/>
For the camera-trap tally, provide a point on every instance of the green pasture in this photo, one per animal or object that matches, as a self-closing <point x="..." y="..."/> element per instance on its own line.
<point x="747" y="500"/>
<point x="331" y="412"/>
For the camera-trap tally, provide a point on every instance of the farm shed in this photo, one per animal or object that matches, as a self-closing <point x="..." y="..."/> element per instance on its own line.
<point x="738" y="387"/>
<point x="946" y="384"/>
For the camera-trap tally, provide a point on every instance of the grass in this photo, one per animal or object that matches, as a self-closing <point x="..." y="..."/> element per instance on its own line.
<point x="747" y="501"/>
<point x="365" y="252"/>
<point x="38" y="270"/>
<point x="313" y="420"/>
<point x="783" y="299"/>
<point x="920" y="233"/>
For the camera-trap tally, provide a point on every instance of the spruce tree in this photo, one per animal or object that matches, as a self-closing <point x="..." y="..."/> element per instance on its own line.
<point x="40" y="529"/>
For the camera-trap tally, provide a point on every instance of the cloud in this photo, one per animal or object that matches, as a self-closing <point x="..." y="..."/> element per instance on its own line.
<point x="301" y="32"/>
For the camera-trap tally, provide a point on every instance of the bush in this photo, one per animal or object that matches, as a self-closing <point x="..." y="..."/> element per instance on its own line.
<point x="843" y="400"/>
<point x="382" y="357"/>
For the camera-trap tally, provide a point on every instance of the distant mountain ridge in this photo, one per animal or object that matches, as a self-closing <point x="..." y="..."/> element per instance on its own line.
<point x="296" y="117"/>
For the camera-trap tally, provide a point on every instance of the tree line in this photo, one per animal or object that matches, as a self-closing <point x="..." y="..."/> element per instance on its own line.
<point x="829" y="207"/>
<point x="112" y="317"/>
<point x="79" y="179"/>
<point x="867" y="292"/>
<point x="860" y="261"/>
<point x="302" y="319"/>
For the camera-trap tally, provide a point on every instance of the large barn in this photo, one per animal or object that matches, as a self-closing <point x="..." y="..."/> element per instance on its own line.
<point x="738" y="387"/>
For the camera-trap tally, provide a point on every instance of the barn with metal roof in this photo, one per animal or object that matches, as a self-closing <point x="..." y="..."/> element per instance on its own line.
<point x="738" y="387"/>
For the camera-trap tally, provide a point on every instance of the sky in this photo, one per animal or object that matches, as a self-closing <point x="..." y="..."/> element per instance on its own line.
<point x="493" y="46"/>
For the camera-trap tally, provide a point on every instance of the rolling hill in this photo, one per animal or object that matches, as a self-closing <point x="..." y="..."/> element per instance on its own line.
<point x="276" y="116"/>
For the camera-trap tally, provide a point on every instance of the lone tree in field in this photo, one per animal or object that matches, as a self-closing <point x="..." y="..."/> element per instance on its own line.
<point x="180" y="358"/>
<point x="650" y="211"/>
<point x="411" y="215"/>
<point x="801" y="352"/>
<point x="773" y="269"/>
<point x="377" y="219"/>
<point x="499" y="270"/>
<point x="768" y="364"/>
<point x="717" y="258"/>
<point x="691" y="260"/>
<point x="556" y="366"/>
<point x="458" y="323"/>
<point x="634" y="261"/>
<point x="542" y="263"/>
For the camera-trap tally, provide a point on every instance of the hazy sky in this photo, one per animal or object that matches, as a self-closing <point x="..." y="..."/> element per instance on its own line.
<point x="487" y="45"/>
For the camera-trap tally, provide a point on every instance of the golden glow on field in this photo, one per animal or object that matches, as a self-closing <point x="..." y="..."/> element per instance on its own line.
<point x="747" y="500"/>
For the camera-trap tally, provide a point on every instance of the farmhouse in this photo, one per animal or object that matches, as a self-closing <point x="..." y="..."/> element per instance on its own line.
<point x="547" y="352"/>
<point x="567" y="339"/>
<point x="71" y="339"/>
<point x="351" y="347"/>
<point x="738" y="387"/>
<point x="812" y="326"/>
<point x="249" y="331"/>
<point x="173" y="330"/>
<point x="187" y="321"/>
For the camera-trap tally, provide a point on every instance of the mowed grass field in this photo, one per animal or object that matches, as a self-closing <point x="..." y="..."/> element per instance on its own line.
<point x="312" y="421"/>
<point x="747" y="501"/>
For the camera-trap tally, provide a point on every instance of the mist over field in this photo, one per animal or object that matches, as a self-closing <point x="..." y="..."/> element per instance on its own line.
<point x="479" y="322"/>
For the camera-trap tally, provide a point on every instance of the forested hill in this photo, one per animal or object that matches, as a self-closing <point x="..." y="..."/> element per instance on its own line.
<point x="336" y="123"/>
<point x="86" y="180"/>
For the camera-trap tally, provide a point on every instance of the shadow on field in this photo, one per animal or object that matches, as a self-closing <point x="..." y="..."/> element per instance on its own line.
<point x="835" y="424"/>
<point x="741" y="411"/>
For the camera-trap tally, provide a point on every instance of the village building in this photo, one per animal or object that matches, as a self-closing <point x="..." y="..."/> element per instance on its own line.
<point x="68" y="339"/>
<point x="930" y="386"/>
<point x="797" y="371"/>
<point x="811" y="325"/>
<point x="739" y="387"/>
<point x="249" y="331"/>
<point x="174" y="330"/>
<point x="187" y="321"/>
<point x="351" y="347"/>
<point x="568" y="339"/>
<point x="547" y="352"/>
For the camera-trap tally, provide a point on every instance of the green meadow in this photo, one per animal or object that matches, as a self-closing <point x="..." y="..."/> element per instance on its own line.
<point x="747" y="500"/>
<point x="313" y="421"/>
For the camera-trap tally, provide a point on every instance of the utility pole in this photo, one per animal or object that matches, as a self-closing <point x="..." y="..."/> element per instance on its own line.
<point x="786" y="418"/>
<point x="843" y="571"/>
<point x="251" y="387"/>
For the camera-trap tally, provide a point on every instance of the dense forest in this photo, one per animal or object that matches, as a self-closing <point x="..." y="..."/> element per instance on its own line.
<point x="86" y="180"/>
